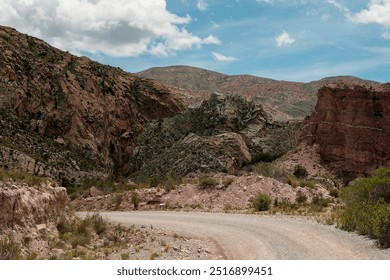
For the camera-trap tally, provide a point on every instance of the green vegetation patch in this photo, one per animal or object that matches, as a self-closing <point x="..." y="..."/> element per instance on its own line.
<point x="261" y="202"/>
<point x="367" y="206"/>
<point x="18" y="176"/>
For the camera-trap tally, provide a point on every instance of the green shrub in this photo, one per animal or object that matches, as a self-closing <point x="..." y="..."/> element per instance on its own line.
<point x="261" y="202"/>
<point x="307" y="184"/>
<point x="99" y="225"/>
<point x="207" y="182"/>
<point x="268" y="169"/>
<point x="264" y="168"/>
<point x="367" y="206"/>
<point x="117" y="200"/>
<point x="135" y="199"/>
<point x="227" y="182"/>
<point x="18" y="176"/>
<point x="300" y="198"/>
<point x="79" y="231"/>
<point x="318" y="203"/>
<point x="300" y="171"/>
<point x="264" y="157"/>
<point x="9" y="250"/>
<point x="334" y="192"/>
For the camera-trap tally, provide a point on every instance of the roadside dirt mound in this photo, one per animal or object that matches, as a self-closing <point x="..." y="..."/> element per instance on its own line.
<point x="226" y="192"/>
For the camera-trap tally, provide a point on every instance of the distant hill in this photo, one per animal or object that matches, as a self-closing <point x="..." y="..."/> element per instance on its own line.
<point x="282" y="99"/>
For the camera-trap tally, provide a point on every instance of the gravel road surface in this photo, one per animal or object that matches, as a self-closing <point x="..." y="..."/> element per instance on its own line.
<point x="240" y="236"/>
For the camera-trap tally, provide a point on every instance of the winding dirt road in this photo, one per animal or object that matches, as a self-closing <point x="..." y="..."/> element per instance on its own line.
<point x="239" y="236"/>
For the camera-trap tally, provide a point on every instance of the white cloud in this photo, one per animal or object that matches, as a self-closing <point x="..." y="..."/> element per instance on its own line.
<point x="211" y="40"/>
<point x="342" y="8"/>
<point x="220" y="57"/>
<point x="284" y="39"/>
<point x="377" y="11"/>
<point x="117" y="28"/>
<point x="386" y="36"/>
<point x="202" y="5"/>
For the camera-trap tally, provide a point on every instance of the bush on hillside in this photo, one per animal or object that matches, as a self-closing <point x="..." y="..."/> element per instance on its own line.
<point x="300" y="171"/>
<point x="261" y="202"/>
<point x="367" y="209"/>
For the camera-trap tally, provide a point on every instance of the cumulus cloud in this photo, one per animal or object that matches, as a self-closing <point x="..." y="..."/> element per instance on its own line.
<point x="117" y="28"/>
<point x="284" y="39"/>
<point x="377" y="11"/>
<point x="220" y="57"/>
<point x="202" y="5"/>
<point x="211" y="40"/>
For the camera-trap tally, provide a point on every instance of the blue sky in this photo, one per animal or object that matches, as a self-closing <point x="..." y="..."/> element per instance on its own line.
<point x="297" y="40"/>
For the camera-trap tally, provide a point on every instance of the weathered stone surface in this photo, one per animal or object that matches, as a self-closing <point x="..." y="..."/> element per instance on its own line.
<point x="25" y="209"/>
<point x="223" y="134"/>
<point x="68" y="111"/>
<point x="351" y="125"/>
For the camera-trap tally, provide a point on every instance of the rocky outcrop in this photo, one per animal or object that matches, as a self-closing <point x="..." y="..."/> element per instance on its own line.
<point x="351" y="125"/>
<point x="223" y="134"/>
<point x="29" y="212"/>
<point x="70" y="112"/>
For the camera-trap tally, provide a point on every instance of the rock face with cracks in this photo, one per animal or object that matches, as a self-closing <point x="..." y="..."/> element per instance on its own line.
<point x="222" y="135"/>
<point x="351" y="125"/>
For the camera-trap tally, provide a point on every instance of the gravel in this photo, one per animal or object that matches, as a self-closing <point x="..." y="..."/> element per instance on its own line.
<point x="239" y="236"/>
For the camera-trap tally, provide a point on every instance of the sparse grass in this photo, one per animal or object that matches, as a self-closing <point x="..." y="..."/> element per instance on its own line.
<point x="285" y="206"/>
<point x="9" y="250"/>
<point x="269" y="169"/>
<point x="292" y="181"/>
<point x="207" y="182"/>
<point x="319" y="203"/>
<point x="117" y="200"/>
<point x="79" y="231"/>
<point x="153" y="256"/>
<point x="308" y="184"/>
<point x="168" y="181"/>
<point x="300" y="198"/>
<point x="227" y="182"/>
<point x="17" y="176"/>
<point x="135" y="199"/>
<point x="334" y="192"/>
<point x="125" y="256"/>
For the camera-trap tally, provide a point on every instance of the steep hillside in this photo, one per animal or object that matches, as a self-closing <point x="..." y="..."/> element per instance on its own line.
<point x="281" y="99"/>
<point x="63" y="115"/>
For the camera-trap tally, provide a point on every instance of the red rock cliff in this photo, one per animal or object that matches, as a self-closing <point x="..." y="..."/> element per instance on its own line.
<point x="351" y="125"/>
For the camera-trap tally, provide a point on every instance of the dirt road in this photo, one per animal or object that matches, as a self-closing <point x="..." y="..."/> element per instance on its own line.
<point x="238" y="236"/>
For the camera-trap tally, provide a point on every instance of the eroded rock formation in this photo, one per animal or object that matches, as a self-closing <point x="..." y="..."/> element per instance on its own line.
<point x="351" y="125"/>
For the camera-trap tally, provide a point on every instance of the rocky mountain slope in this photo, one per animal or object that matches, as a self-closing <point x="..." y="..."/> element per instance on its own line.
<point x="223" y="134"/>
<point x="63" y="115"/>
<point x="351" y="127"/>
<point x="281" y="99"/>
